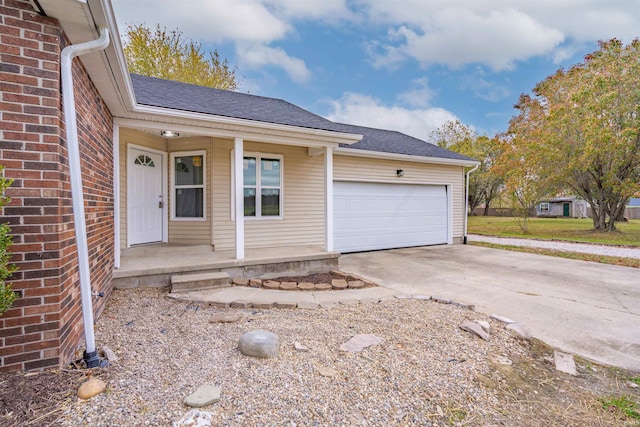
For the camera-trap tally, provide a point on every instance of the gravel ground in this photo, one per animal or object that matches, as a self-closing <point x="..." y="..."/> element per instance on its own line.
<point x="619" y="251"/>
<point x="426" y="372"/>
<point x="426" y="369"/>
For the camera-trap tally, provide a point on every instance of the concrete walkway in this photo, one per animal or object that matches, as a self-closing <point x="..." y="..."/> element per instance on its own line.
<point x="586" y="248"/>
<point x="585" y="308"/>
<point x="246" y="297"/>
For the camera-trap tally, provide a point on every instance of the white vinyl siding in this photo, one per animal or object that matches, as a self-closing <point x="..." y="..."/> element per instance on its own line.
<point x="348" y="168"/>
<point x="302" y="222"/>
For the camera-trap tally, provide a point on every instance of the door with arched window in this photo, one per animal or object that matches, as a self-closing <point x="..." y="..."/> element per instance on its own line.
<point x="145" y="197"/>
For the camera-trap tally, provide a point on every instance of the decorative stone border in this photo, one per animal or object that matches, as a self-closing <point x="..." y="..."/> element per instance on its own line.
<point x="349" y="281"/>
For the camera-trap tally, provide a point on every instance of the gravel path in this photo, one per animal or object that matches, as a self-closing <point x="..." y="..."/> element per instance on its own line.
<point x="586" y="248"/>
<point x="424" y="373"/>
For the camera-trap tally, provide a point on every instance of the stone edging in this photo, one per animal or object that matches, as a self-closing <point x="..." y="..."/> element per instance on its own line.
<point x="336" y="284"/>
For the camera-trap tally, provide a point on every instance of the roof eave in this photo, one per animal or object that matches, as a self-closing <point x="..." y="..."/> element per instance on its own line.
<point x="354" y="152"/>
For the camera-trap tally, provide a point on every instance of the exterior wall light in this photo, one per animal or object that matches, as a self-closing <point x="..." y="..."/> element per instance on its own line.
<point x="399" y="172"/>
<point x="169" y="134"/>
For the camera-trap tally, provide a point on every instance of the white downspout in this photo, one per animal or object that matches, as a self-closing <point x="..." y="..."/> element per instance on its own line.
<point x="66" y="61"/>
<point x="466" y="204"/>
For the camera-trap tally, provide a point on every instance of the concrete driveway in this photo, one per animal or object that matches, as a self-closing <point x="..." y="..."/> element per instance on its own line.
<point x="585" y="308"/>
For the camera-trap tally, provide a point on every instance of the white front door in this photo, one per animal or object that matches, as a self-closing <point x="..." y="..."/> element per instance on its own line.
<point x="145" y="197"/>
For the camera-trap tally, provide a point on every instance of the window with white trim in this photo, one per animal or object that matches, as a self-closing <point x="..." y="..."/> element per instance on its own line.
<point x="188" y="182"/>
<point x="262" y="185"/>
<point x="544" y="207"/>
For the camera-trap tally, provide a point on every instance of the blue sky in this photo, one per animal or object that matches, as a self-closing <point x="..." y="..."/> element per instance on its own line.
<point x="408" y="65"/>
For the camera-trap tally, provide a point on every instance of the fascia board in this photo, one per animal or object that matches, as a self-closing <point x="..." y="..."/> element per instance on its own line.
<point x="353" y="152"/>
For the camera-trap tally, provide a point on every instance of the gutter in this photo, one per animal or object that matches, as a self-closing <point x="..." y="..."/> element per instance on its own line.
<point x="66" y="61"/>
<point x="466" y="204"/>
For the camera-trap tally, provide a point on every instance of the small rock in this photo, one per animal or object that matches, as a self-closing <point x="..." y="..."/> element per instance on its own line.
<point x="240" y="281"/>
<point x="195" y="418"/>
<point x="321" y="287"/>
<point x="631" y="384"/>
<point x="502" y="319"/>
<point x="360" y="342"/>
<point x="339" y="284"/>
<point x="502" y="360"/>
<point x="325" y="371"/>
<point x="240" y="304"/>
<point x="565" y="363"/>
<point x="91" y="387"/>
<point x="356" y="284"/>
<point x="259" y="343"/>
<point x="271" y="284"/>
<point x="225" y="318"/>
<point x="519" y="330"/>
<point x="204" y="395"/>
<point x="289" y="286"/>
<point x="306" y="286"/>
<point x="255" y="283"/>
<point x="474" y="328"/>
<point x="108" y="354"/>
<point x="299" y="347"/>
<point x="485" y="325"/>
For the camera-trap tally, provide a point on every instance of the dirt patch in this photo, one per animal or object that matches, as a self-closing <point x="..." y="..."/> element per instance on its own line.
<point x="37" y="398"/>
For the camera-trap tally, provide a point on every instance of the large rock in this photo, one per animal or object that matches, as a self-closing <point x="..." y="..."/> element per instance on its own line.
<point x="259" y="343"/>
<point x="195" y="418"/>
<point x="475" y="328"/>
<point x="204" y="395"/>
<point x="91" y="388"/>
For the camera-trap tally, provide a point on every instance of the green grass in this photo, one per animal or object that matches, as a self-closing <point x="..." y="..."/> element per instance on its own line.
<point x="623" y="405"/>
<point x="568" y="229"/>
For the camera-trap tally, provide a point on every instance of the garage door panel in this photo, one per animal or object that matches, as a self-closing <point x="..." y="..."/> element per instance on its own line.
<point x="369" y="216"/>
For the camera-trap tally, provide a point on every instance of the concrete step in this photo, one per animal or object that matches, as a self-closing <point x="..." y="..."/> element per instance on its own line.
<point x="199" y="281"/>
<point x="164" y="249"/>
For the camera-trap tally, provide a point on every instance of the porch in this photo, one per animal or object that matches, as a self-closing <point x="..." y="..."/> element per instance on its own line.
<point x="154" y="265"/>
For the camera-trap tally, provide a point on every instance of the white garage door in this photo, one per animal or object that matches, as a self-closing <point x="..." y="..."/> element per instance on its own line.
<point x="369" y="216"/>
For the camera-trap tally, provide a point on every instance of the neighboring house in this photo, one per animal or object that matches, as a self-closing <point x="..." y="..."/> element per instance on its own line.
<point x="563" y="207"/>
<point x="170" y="163"/>
<point x="634" y="202"/>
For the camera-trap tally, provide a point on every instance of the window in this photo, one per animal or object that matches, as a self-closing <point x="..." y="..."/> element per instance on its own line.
<point x="188" y="182"/>
<point x="262" y="187"/>
<point x="544" y="207"/>
<point x="144" y="160"/>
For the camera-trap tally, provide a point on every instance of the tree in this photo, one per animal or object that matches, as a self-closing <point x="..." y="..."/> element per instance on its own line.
<point x="583" y="125"/>
<point x="7" y="296"/>
<point x="484" y="184"/>
<point x="166" y="55"/>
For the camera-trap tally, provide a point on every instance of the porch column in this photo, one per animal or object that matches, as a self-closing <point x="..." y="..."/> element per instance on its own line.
<point x="238" y="185"/>
<point x="328" y="198"/>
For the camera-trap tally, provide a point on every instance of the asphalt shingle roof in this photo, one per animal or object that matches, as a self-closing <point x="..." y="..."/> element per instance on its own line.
<point x="199" y="99"/>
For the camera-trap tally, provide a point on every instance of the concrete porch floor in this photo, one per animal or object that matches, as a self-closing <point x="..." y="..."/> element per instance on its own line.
<point x="153" y="265"/>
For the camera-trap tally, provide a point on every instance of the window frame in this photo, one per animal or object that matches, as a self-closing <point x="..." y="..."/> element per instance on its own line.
<point x="259" y="156"/>
<point x="546" y="207"/>
<point x="174" y="187"/>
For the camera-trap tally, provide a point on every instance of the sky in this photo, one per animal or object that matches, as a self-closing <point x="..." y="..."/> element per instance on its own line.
<point x="406" y="65"/>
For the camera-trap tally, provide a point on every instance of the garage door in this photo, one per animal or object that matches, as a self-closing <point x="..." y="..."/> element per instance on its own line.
<point x="369" y="216"/>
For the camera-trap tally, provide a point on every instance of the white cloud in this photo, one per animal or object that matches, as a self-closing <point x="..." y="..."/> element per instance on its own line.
<point x="419" y="95"/>
<point x="497" y="33"/>
<point x="364" y="110"/>
<point x="460" y="36"/>
<point x="258" y="56"/>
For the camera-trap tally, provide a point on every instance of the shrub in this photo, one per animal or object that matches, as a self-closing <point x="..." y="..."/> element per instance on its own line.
<point x="7" y="296"/>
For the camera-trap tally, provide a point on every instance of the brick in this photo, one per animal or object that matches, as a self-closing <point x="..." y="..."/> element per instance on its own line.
<point x="52" y="362"/>
<point x="23" y="357"/>
<point x="23" y="339"/>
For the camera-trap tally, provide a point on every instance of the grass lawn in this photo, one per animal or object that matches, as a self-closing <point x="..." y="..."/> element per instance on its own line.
<point x="570" y="229"/>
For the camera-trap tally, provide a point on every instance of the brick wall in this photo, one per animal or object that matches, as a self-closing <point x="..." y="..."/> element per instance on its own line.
<point x="44" y="326"/>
